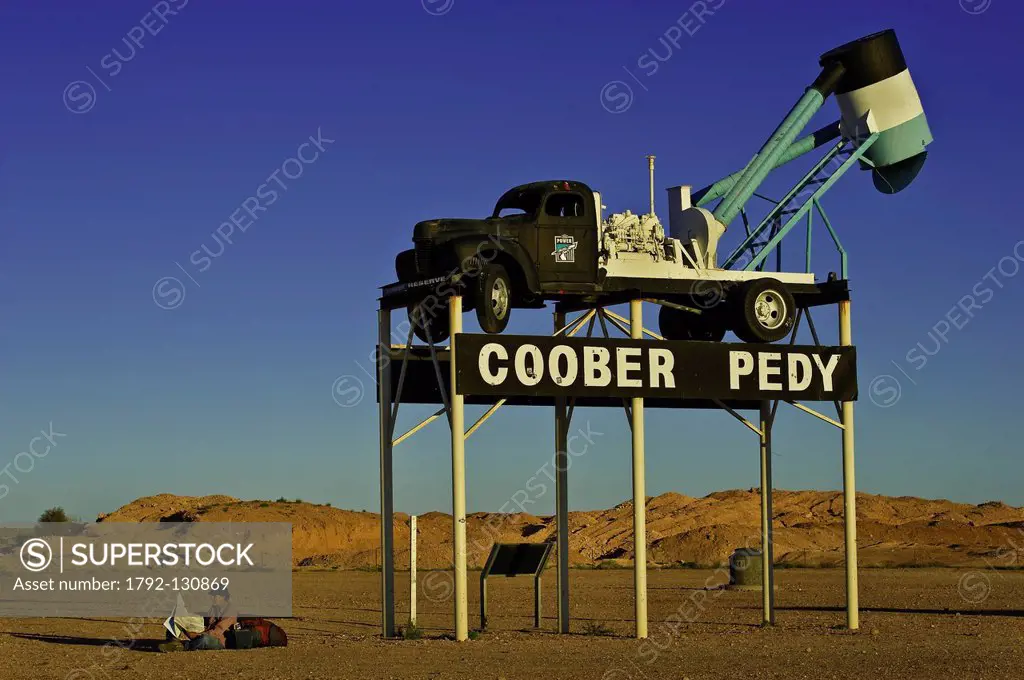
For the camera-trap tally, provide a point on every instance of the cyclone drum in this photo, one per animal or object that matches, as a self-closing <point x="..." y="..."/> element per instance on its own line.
<point x="877" y="94"/>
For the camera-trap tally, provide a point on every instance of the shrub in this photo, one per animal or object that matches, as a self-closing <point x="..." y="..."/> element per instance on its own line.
<point x="411" y="632"/>
<point x="596" y="628"/>
<point x="55" y="514"/>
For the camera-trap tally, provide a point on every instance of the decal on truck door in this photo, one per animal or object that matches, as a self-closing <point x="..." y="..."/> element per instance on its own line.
<point x="565" y="248"/>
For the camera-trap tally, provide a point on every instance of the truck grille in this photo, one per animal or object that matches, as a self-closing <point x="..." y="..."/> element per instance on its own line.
<point x="423" y="254"/>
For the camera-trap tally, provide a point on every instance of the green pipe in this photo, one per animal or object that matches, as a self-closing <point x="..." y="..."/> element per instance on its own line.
<point x="769" y="155"/>
<point x="800" y="147"/>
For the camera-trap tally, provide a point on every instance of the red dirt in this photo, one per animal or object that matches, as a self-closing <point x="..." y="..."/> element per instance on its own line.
<point x="902" y="531"/>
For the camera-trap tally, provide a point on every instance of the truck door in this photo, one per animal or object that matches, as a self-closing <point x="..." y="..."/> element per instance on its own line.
<point x="567" y="241"/>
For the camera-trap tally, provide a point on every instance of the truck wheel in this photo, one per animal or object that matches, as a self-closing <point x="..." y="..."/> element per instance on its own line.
<point x="493" y="298"/>
<point x="437" y="321"/>
<point x="765" y="311"/>
<point x="676" y="324"/>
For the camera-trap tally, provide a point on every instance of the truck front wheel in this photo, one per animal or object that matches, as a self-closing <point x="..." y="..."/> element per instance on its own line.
<point x="493" y="299"/>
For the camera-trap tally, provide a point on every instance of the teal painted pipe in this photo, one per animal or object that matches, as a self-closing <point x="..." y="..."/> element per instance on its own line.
<point x="798" y="148"/>
<point x="769" y="155"/>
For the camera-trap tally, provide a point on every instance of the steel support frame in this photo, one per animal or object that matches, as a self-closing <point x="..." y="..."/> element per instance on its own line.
<point x="563" y="417"/>
<point x="455" y="406"/>
<point x="387" y="489"/>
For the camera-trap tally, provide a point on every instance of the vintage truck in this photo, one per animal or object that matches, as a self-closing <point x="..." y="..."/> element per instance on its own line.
<point x="548" y="241"/>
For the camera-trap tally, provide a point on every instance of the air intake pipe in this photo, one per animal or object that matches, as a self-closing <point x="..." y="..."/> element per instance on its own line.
<point x="802" y="146"/>
<point x="773" y="150"/>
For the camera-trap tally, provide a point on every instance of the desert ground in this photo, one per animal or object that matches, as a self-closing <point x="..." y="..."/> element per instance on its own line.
<point x="915" y="623"/>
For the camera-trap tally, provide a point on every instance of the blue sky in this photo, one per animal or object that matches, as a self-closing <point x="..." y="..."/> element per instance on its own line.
<point x="119" y="160"/>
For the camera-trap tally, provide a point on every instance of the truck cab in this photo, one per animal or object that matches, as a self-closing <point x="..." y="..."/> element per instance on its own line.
<point x="563" y="219"/>
<point x="540" y="241"/>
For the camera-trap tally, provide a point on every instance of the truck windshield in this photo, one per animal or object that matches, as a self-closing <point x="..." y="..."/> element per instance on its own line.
<point x="518" y="203"/>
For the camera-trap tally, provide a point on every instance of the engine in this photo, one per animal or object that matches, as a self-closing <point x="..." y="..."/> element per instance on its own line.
<point x="629" y="233"/>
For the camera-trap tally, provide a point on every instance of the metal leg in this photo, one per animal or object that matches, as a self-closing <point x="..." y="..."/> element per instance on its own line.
<point x="767" y="549"/>
<point x="561" y="504"/>
<point x="639" y="489"/>
<point x="483" y="602"/>
<point x="458" y="419"/>
<point x="412" y="570"/>
<point x="387" y="491"/>
<point x="536" y="602"/>
<point x="849" y="486"/>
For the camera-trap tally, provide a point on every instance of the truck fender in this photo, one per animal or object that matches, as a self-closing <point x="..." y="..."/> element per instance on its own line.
<point x="508" y="252"/>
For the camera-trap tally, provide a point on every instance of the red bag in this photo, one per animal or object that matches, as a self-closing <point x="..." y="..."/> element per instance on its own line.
<point x="271" y="634"/>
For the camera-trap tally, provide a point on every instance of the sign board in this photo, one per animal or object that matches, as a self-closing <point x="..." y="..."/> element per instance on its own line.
<point x="515" y="365"/>
<point x="513" y="559"/>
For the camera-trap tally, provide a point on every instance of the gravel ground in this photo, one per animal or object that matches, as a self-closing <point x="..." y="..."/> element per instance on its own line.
<point x="915" y="623"/>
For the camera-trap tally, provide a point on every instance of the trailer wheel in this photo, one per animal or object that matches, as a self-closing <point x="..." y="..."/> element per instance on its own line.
<point x="494" y="298"/>
<point x="422" y="318"/>
<point x="676" y="324"/>
<point x="765" y="313"/>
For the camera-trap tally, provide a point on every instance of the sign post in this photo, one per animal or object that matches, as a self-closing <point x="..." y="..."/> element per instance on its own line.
<point x="458" y="479"/>
<point x="849" y="485"/>
<point x="636" y="331"/>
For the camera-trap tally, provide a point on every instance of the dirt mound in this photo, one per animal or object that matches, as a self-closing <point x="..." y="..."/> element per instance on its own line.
<point x="892" y="531"/>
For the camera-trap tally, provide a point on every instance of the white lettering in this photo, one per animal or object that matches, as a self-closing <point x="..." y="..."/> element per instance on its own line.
<point x="210" y="560"/>
<point x="799" y="372"/>
<point x="572" y="367"/>
<point x="626" y="361"/>
<point x="493" y="378"/>
<point x="532" y="375"/>
<point x="80" y="559"/>
<point x="662" y="361"/>
<point x="740" y="363"/>
<point x="827" y="370"/>
<point x="595" y="367"/>
<point x="244" y="554"/>
<point x="764" y="371"/>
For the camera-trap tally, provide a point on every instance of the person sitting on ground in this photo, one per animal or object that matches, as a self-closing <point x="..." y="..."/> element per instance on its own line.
<point x="221" y="618"/>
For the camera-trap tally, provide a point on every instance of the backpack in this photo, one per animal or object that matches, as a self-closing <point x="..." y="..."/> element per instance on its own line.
<point x="270" y="634"/>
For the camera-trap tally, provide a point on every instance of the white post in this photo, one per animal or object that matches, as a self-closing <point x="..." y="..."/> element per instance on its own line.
<point x="636" y="331"/>
<point x="412" y="570"/>
<point x="849" y="485"/>
<point x="458" y="480"/>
